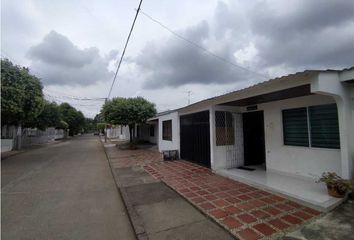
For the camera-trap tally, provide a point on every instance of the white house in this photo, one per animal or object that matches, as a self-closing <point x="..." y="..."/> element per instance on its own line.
<point x="145" y="132"/>
<point x="299" y="125"/>
<point x="119" y="132"/>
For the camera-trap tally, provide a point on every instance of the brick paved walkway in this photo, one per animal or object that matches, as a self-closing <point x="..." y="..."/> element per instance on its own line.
<point x="247" y="212"/>
<point x="129" y="158"/>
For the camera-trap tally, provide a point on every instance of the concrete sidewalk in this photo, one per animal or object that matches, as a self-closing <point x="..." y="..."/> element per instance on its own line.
<point x="156" y="211"/>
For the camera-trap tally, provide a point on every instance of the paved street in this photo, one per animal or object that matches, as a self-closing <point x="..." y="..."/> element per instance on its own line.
<point x="62" y="191"/>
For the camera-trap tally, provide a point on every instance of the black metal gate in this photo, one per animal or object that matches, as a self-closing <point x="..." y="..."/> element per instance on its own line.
<point x="195" y="138"/>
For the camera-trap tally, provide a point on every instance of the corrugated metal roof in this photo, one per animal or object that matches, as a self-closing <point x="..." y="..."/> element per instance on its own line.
<point x="161" y="114"/>
<point x="289" y="76"/>
<point x="292" y="75"/>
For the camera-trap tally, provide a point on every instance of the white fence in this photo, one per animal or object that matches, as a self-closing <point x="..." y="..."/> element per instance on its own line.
<point x="10" y="135"/>
<point x="34" y="136"/>
<point x="7" y="145"/>
<point x="120" y="132"/>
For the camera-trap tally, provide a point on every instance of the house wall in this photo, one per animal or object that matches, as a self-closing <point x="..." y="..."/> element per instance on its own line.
<point x="156" y="133"/>
<point x="329" y="83"/>
<point x="294" y="160"/>
<point x="304" y="161"/>
<point x="352" y="128"/>
<point x="144" y="132"/>
<point x="120" y="132"/>
<point x="175" y="143"/>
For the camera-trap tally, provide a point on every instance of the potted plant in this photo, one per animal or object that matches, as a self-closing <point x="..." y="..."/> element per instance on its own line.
<point x="336" y="186"/>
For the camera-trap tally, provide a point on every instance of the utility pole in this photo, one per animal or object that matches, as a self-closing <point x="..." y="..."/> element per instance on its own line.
<point x="105" y="130"/>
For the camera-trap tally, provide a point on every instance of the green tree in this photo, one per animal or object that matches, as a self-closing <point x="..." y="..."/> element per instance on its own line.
<point x="100" y="127"/>
<point x="75" y="119"/>
<point x="21" y="95"/>
<point x="49" y="117"/>
<point x="128" y="112"/>
<point x="98" y="118"/>
<point x="62" y="125"/>
<point x="90" y="125"/>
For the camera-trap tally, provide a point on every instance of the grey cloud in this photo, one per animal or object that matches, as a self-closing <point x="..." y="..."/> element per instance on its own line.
<point x="174" y="63"/>
<point x="300" y="16"/>
<point x="292" y="35"/>
<point x="112" y="55"/>
<point x="60" y="62"/>
<point x="312" y="34"/>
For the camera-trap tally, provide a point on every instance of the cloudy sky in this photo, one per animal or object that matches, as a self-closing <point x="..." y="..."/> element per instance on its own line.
<point x="74" y="45"/>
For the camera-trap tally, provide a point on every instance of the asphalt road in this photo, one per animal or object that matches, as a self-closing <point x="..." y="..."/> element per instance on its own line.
<point x="62" y="191"/>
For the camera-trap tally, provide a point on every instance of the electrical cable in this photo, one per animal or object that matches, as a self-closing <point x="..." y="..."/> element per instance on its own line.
<point x="125" y="47"/>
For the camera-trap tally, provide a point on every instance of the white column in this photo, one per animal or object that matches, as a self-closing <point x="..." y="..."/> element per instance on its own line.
<point x="346" y="131"/>
<point x="212" y="135"/>
<point x="329" y="84"/>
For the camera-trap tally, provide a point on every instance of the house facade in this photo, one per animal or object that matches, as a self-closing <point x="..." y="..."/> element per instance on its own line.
<point x="300" y="124"/>
<point x="143" y="132"/>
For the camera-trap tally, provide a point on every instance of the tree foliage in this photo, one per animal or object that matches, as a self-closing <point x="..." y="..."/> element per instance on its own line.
<point x="100" y="127"/>
<point x="63" y="125"/>
<point x="90" y="125"/>
<point x="21" y="95"/>
<point x="128" y="111"/>
<point x="75" y="119"/>
<point x="22" y="102"/>
<point x="98" y="118"/>
<point x="49" y="117"/>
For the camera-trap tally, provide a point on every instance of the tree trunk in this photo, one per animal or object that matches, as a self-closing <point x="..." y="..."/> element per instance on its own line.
<point x="131" y="132"/>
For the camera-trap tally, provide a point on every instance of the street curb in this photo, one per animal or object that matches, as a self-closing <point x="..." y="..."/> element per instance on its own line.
<point x="135" y="221"/>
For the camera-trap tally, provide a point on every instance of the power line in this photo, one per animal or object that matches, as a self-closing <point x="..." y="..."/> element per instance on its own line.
<point x="54" y="98"/>
<point x="201" y="47"/>
<point x="125" y="47"/>
<point x="60" y="99"/>
<point x="64" y="96"/>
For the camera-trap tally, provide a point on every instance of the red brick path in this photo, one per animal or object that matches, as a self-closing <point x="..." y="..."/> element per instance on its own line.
<point x="247" y="212"/>
<point x="129" y="158"/>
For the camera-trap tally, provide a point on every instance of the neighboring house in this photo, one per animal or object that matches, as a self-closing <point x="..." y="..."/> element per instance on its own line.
<point x="119" y="132"/>
<point x="301" y="124"/>
<point x="167" y="130"/>
<point x="147" y="132"/>
<point x="144" y="132"/>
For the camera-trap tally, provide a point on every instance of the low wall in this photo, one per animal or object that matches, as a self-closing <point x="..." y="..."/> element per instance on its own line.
<point x="6" y="145"/>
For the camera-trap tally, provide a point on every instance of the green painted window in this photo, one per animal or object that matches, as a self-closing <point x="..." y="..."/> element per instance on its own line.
<point x="315" y="126"/>
<point x="324" y="126"/>
<point x="295" y="127"/>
